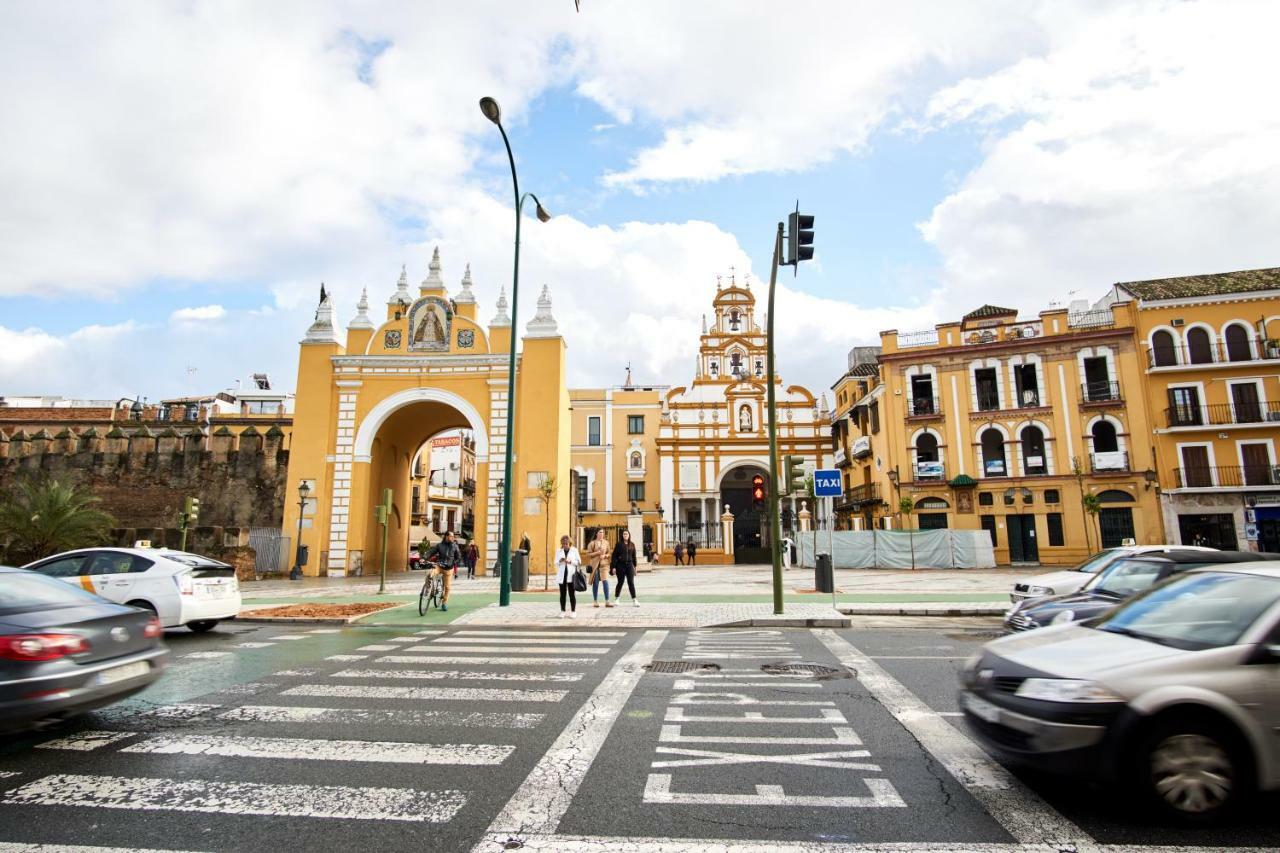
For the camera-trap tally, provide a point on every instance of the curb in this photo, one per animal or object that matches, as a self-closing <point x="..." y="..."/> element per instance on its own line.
<point x="784" y="622"/>
<point x="312" y="620"/>
<point x="943" y="610"/>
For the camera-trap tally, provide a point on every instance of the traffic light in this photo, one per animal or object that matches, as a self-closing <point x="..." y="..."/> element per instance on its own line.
<point x="799" y="238"/>
<point x="758" y="493"/>
<point x="191" y="509"/>
<point x="793" y="476"/>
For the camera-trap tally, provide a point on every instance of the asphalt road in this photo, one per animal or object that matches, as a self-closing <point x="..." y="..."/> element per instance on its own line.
<point x="556" y="739"/>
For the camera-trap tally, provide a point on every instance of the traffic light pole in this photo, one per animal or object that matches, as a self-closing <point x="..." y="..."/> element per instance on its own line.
<point x="775" y="524"/>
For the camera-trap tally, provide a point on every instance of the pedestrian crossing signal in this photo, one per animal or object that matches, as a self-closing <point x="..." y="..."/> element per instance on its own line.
<point x="758" y="493"/>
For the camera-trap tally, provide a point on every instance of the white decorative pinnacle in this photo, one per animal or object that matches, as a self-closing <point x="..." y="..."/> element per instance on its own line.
<point x="361" y="320"/>
<point x="433" y="281"/>
<point x="321" y="331"/>
<point x="500" y="316"/>
<point x="543" y="324"/>
<point x="466" y="294"/>
<point x="401" y="296"/>
<point x="704" y="324"/>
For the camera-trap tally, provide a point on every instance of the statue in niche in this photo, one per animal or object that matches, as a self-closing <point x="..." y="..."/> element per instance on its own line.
<point x="430" y="330"/>
<point x="744" y="418"/>
<point x="429" y="322"/>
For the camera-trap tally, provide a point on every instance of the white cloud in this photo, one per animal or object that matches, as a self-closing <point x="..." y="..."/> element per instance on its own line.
<point x="201" y="314"/>
<point x="1143" y="143"/>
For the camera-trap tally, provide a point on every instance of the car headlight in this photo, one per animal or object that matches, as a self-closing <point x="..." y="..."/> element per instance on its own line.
<point x="1062" y="617"/>
<point x="1065" y="690"/>
<point x="1040" y="590"/>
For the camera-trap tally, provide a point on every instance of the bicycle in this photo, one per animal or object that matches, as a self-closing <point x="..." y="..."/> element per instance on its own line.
<point x="432" y="593"/>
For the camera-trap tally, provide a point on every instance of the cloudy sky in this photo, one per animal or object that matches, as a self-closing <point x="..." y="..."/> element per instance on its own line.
<point x="178" y="178"/>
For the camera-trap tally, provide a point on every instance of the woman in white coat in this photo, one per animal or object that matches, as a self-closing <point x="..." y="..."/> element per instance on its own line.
<point x="568" y="561"/>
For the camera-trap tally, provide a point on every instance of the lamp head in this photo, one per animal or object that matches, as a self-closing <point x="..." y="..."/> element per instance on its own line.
<point x="304" y="489"/>
<point x="543" y="215"/>
<point x="491" y="110"/>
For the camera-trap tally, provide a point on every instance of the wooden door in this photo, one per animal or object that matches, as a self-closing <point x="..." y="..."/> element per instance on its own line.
<point x="1257" y="464"/>
<point x="1196" y="472"/>
<point x="1247" y="406"/>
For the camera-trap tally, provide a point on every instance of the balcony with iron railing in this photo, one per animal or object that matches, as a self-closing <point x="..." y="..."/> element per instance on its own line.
<point x="1261" y="413"/>
<point x="1100" y="391"/>
<point x="924" y="407"/>
<point x="1109" y="462"/>
<point x="859" y="496"/>
<point x="586" y="505"/>
<point x="1227" y="477"/>
<point x="1027" y="398"/>
<point x="1212" y="354"/>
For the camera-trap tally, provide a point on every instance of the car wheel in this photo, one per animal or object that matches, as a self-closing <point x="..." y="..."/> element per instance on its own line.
<point x="144" y="605"/>
<point x="202" y="625"/>
<point x="1193" y="770"/>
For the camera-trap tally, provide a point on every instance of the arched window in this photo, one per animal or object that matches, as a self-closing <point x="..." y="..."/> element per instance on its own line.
<point x="1199" y="346"/>
<point x="1163" y="350"/>
<point x="932" y="503"/>
<point x="1115" y="496"/>
<point x="1033" y="458"/>
<point x="993" y="464"/>
<point x="928" y="461"/>
<point x="1104" y="437"/>
<point x="1238" y="343"/>
<point x="637" y="461"/>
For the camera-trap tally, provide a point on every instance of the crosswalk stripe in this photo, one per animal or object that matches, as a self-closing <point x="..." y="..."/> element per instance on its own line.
<point x="85" y="741"/>
<point x="289" y="637"/>
<point x="396" y="716"/>
<point x="379" y="647"/>
<point x="306" y="749"/>
<point x="430" y="658"/>
<point x="465" y="694"/>
<point x="206" y="655"/>
<point x="246" y="798"/>
<point x="459" y="675"/>
<point x="509" y="650"/>
<point x="324" y="631"/>
<point x="430" y="632"/>
<point x="569" y="632"/>
<point x="522" y="641"/>
<point x="250" y="645"/>
<point x="347" y="657"/>
<point x="179" y="711"/>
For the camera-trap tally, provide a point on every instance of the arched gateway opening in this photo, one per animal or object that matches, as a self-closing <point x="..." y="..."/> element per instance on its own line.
<point x="750" y="524"/>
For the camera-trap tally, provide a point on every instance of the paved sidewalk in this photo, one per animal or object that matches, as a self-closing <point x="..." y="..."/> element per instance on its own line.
<point x="664" y="615"/>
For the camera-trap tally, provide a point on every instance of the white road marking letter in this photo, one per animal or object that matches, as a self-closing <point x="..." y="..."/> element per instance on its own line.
<point x="883" y="795"/>
<point x="717" y="698"/>
<point x="843" y="735"/>
<point x="711" y="758"/>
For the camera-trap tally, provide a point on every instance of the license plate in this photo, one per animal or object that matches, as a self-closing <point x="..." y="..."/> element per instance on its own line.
<point x="123" y="673"/>
<point x="981" y="708"/>
<point x="217" y="591"/>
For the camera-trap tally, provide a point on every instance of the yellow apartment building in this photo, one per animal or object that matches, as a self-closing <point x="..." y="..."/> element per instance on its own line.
<point x="1005" y="424"/>
<point x="856" y="436"/>
<point x="1210" y="355"/>
<point x="615" y="457"/>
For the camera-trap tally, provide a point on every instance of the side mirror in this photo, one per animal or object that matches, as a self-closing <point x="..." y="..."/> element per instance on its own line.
<point x="1264" y="653"/>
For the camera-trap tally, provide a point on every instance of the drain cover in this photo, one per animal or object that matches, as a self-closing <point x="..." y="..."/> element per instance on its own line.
<point x="681" y="666"/>
<point x="816" y="670"/>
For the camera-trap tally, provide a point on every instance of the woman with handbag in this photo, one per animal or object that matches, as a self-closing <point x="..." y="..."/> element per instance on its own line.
<point x="623" y="565"/>
<point x="568" y="575"/>
<point x="597" y="554"/>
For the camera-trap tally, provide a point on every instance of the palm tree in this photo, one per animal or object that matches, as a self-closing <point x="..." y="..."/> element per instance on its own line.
<point x="41" y="517"/>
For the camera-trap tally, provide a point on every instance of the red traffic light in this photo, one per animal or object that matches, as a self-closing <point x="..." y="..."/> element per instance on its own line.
<point x="757" y="488"/>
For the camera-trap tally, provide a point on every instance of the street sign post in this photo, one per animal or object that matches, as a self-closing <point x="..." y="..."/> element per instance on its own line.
<point x="826" y="483"/>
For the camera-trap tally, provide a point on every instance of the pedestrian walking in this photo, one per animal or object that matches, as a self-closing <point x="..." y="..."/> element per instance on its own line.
<point x="692" y="550"/>
<point x="597" y="561"/>
<point x="623" y="566"/>
<point x="679" y="553"/>
<point x="525" y="544"/>
<point x="472" y="556"/>
<point x="568" y="562"/>
<point x="447" y="555"/>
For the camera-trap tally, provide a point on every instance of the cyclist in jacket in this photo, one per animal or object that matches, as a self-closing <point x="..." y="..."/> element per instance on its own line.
<point x="449" y="556"/>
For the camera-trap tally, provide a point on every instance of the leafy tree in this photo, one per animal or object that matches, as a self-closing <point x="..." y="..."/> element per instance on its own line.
<point x="546" y="493"/>
<point x="39" y="517"/>
<point x="1092" y="506"/>
<point x="906" y="507"/>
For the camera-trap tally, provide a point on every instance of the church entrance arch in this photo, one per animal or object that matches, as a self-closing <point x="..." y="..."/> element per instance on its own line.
<point x="750" y="525"/>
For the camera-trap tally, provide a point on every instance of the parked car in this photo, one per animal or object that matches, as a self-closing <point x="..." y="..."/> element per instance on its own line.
<point x="64" y="651"/>
<point x="1064" y="581"/>
<point x="1122" y="579"/>
<point x="1174" y="695"/>
<point x="180" y="588"/>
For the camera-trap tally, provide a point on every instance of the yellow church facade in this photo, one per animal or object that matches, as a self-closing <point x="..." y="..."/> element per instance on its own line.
<point x="367" y="401"/>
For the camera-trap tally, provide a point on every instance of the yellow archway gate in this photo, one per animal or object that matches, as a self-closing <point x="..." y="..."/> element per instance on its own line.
<point x="364" y="408"/>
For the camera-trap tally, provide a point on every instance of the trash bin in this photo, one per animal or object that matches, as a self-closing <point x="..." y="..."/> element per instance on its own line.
<point x="823" y="576"/>
<point x="519" y="570"/>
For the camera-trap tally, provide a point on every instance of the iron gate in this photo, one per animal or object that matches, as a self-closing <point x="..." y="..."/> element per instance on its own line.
<point x="271" y="549"/>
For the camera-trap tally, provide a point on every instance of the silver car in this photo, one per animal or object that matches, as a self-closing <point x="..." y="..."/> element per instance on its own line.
<point x="1175" y="694"/>
<point x="1065" y="581"/>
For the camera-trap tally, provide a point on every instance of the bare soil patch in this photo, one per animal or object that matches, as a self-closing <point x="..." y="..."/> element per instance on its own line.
<point x="324" y="611"/>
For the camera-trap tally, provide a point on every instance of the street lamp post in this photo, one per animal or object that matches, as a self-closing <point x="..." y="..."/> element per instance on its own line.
<point x="304" y="492"/>
<point x="493" y="113"/>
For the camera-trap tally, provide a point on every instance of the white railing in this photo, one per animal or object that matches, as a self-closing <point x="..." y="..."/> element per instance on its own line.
<point x="1091" y="319"/>
<point x="926" y="338"/>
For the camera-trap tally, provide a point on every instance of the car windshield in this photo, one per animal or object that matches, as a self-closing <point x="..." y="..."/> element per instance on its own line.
<point x="1097" y="561"/>
<point x="1126" y="576"/>
<point x="1201" y="610"/>
<point x="21" y="592"/>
